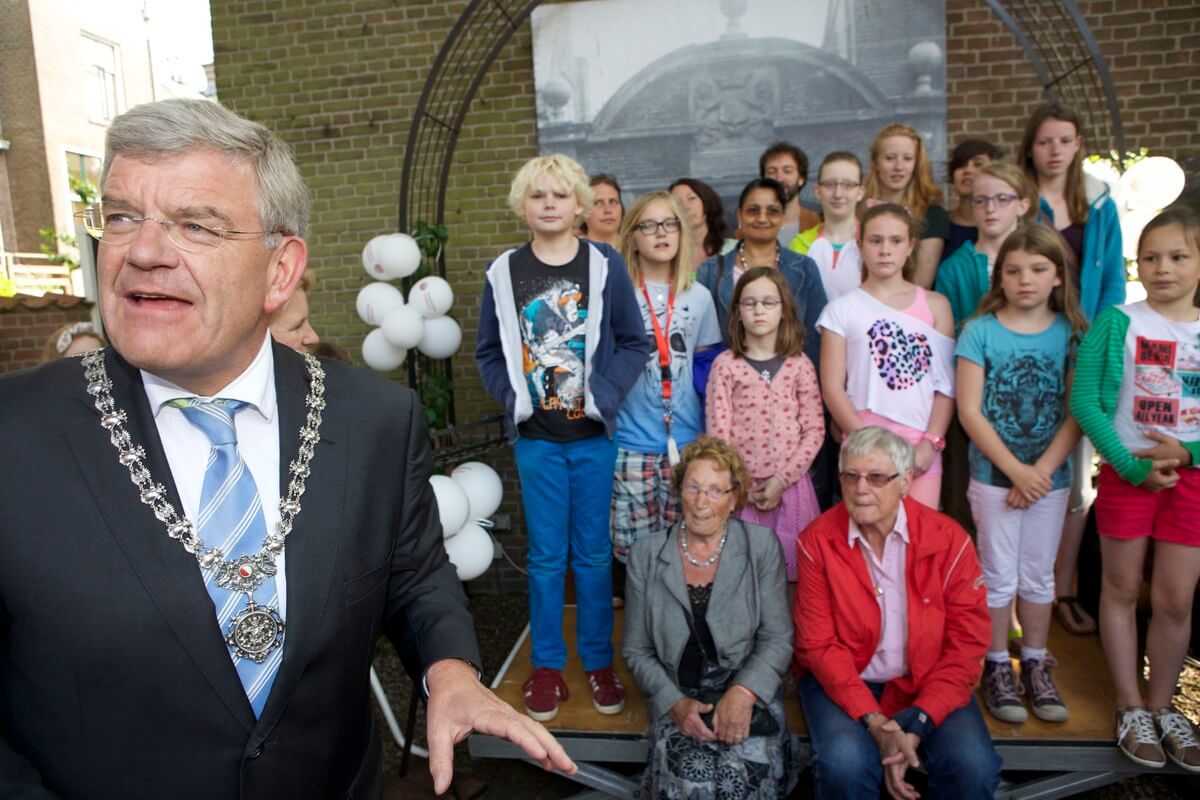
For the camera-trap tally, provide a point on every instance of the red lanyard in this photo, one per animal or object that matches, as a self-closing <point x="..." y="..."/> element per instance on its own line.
<point x="663" y="344"/>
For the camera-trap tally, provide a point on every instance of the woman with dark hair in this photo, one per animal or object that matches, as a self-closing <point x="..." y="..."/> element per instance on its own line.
<point x="604" y="223"/>
<point x="706" y="216"/>
<point x="760" y="215"/>
<point x="968" y="157"/>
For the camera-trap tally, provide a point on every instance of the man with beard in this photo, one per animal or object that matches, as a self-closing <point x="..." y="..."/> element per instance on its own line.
<point x="787" y="163"/>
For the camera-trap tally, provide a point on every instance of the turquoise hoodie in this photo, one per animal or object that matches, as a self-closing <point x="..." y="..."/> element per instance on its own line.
<point x="1102" y="271"/>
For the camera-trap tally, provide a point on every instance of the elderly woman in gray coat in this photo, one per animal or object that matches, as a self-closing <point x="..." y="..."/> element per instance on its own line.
<point x="708" y="640"/>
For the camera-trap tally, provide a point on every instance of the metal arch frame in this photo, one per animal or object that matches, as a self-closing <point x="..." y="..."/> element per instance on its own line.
<point x="1063" y="27"/>
<point x="485" y="26"/>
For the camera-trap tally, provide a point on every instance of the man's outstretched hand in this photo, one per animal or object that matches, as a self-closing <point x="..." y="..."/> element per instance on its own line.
<point x="459" y="705"/>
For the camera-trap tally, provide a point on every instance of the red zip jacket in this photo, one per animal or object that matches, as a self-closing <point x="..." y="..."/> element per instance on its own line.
<point x="838" y="622"/>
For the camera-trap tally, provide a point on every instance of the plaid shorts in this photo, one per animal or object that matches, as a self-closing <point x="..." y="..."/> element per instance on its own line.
<point x="642" y="503"/>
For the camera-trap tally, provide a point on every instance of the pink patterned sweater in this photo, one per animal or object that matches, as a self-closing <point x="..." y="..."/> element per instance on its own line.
<point x="776" y="427"/>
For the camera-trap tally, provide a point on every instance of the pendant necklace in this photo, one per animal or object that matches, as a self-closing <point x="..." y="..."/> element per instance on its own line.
<point x="684" y="547"/>
<point x="256" y="631"/>
<point x="742" y="255"/>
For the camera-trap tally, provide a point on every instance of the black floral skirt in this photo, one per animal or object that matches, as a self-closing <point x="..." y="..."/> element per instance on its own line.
<point x="681" y="768"/>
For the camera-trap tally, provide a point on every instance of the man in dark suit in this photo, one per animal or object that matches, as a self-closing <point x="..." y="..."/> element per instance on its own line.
<point x="203" y="533"/>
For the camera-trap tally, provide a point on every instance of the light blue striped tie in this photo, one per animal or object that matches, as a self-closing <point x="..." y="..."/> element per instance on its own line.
<point x="231" y="520"/>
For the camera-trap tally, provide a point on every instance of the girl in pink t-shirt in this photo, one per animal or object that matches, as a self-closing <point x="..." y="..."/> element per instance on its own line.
<point x="764" y="400"/>
<point x="887" y="350"/>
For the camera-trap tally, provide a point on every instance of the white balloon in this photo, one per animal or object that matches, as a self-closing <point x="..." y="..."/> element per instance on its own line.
<point x="432" y="296"/>
<point x="1151" y="184"/>
<point x="375" y="300"/>
<point x="393" y="255"/>
<point x="370" y="261"/>
<point x="483" y="486"/>
<point x="441" y="339"/>
<point x="403" y="327"/>
<point x="453" y="505"/>
<point x="470" y="551"/>
<point x="380" y="354"/>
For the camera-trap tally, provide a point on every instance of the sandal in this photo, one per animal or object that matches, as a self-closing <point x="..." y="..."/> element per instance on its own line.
<point x="1072" y="616"/>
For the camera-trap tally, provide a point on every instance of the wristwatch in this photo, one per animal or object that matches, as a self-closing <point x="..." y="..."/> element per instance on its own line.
<point x="938" y="442"/>
<point x="865" y="719"/>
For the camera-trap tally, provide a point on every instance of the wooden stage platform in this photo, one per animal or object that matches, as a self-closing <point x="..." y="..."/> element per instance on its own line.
<point x="1068" y="758"/>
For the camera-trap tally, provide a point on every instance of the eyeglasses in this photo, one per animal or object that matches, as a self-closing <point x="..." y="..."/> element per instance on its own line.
<point x="845" y="186"/>
<point x="876" y="480"/>
<point x="649" y="227"/>
<point x="1001" y="200"/>
<point x="120" y="228"/>
<point x="768" y="303"/>
<point x="755" y="211"/>
<point x="714" y="493"/>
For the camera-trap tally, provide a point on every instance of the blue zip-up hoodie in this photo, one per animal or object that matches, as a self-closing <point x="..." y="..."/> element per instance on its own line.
<point x="1102" y="271"/>
<point x="800" y="272"/>
<point x="615" y="345"/>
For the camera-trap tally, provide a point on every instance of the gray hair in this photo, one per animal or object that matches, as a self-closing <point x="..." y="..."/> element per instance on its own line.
<point x="865" y="441"/>
<point x="181" y="125"/>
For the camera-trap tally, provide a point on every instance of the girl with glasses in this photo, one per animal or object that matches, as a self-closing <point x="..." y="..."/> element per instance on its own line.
<point x="887" y="350"/>
<point x="764" y="400"/>
<point x="1001" y="199"/>
<point x="968" y="157"/>
<point x="662" y="412"/>
<point x="900" y="173"/>
<point x="832" y="244"/>
<point x="1013" y="372"/>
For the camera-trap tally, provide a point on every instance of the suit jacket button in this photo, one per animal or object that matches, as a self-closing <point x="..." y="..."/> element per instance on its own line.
<point x="256" y="752"/>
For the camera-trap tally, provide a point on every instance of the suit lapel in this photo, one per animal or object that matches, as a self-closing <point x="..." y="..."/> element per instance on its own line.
<point x="168" y="573"/>
<point x="312" y="546"/>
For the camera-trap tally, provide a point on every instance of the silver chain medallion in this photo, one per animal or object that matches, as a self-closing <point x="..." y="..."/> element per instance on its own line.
<point x="256" y="631"/>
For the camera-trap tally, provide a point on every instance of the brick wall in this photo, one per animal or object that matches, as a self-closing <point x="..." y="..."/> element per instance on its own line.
<point x="26" y="324"/>
<point x="339" y="80"/>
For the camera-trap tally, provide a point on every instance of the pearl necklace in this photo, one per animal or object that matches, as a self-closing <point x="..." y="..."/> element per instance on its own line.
<point x="684" y="547"/>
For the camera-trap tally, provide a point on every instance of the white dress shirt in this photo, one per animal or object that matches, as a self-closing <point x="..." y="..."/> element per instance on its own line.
<point x="187" y="448"/>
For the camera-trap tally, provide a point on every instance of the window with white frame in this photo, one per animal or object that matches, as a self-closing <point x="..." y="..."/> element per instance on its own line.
<point x="83" y="179"/>
<point x="101" y="78"/>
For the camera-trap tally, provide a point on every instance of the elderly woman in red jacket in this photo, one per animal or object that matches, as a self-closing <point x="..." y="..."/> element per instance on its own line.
<point x="891" y="627"/>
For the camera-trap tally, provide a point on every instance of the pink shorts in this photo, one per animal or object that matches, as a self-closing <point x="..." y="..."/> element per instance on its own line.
<point x="1125" y="511"/>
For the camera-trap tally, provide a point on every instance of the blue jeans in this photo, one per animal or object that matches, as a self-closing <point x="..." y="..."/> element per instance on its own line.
<point x="958" y="755"/>
<point x="566" y="488"/>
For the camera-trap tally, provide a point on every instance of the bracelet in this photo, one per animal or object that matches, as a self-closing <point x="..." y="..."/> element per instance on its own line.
<point x="753" y="696"/>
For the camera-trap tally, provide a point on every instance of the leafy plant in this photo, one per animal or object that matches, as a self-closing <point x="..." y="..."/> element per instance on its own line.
<point x="86" y="191"/>
<point x="432" y="240"/>
<point x="435" y="394"/>
<point x="50" y="246"/>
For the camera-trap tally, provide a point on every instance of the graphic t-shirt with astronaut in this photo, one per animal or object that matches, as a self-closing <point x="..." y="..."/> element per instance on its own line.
<point x="552" y="311"/>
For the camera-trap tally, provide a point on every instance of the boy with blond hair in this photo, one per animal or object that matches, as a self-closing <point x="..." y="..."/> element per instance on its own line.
<point x="560" y="344"/>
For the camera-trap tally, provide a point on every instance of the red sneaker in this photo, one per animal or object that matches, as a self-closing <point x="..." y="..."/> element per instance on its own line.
<point x="608" y="695"/>
<point x="544" y="690"/>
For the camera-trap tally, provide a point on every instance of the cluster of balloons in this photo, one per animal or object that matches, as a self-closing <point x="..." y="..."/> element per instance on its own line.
<point x="469" y="496"/>
<point x="400" y="326"/>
